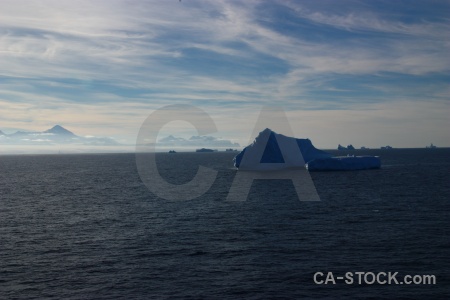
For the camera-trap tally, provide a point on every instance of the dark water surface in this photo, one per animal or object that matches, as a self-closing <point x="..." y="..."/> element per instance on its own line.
<point x="86" y="227"/>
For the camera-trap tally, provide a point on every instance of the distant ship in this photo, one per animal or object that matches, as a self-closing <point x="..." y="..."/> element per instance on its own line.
<point x="172" y="151"/>
<point x="230" y="150"/>
<point x="431" y="146"/>
<point x="386" y="147"/>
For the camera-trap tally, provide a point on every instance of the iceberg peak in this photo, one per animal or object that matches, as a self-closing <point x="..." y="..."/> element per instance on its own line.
<point x="278" y="150"/>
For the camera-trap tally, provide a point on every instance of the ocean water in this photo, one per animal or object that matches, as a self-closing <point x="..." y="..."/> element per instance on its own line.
<point x="86" y="227"/>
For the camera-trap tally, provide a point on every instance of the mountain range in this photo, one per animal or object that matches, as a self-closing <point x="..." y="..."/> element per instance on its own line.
<point x="55" y="135"/>
<point x="195" y="141"/>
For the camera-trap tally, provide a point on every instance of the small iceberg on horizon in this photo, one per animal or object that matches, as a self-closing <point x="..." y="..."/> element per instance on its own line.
<point x="266" y="146"/>
<point x="349" y="147"/>
<point x="205" y="150"/>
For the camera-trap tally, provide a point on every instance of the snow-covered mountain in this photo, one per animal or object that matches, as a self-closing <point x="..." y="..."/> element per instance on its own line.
<point x="55" y="135"/>
<point x="59" y="130"/>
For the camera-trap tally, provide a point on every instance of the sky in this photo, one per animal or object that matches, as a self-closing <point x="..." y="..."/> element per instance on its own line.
<point x="367" y="73"/>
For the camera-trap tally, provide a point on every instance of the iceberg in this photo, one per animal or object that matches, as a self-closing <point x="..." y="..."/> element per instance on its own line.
<point x="349" y="147"/>
<point x="205" y="150"/>
<point x="272" y="153"/>
<point x="344" y="163"/>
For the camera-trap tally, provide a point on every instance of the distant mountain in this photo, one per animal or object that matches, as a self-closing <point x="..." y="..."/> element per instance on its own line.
<point x="195" y="141"/>
<point x="59" y="130"/>
<point x="171" y="139"/>
<point x="56" y="135"/>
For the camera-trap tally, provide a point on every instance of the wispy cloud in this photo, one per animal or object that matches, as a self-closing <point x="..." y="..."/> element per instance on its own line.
<point x="107" y="64"/>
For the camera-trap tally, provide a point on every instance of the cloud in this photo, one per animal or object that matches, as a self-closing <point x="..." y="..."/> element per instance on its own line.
<point x="107" y="65"/>
<point x="112" y="46"/>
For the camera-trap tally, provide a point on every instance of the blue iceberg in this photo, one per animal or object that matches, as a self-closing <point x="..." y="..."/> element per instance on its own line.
<point x="273" y="151"/>
<point x="344" y="163"/>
